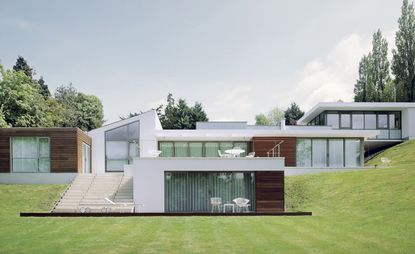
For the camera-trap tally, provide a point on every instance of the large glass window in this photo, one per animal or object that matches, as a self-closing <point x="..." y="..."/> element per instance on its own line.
<point x="358" y="121"/>
<point x="352" y="153"/>
<point x="336" y="153"/>
<point x="199" y="148"/>
<point x="319" y="153"/>
<point x="333" y="120"/>
<point x="303" y="152"/>
<point x="121" y="146"/>
<point x="370" y="121"/>
<point x="192" y="191"/>
<point x="345" y="121"/>
<point x="30" y="154"/>
<point x="382" y="121"/>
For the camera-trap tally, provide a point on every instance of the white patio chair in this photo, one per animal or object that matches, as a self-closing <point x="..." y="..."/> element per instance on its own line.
<point x="216" y="202"/>
<point x="242" y="204"/>
<point x="154" y="153"/>
<point x="251" y="155"/>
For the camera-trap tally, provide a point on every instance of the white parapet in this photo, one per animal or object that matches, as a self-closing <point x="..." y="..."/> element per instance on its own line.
<point x="148" y="174"/>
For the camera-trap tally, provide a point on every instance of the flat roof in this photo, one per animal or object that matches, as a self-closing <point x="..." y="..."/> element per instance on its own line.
<point x="349" y="106"/>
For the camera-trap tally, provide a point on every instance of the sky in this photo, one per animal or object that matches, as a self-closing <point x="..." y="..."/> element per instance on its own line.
<point x="238" y="58"/>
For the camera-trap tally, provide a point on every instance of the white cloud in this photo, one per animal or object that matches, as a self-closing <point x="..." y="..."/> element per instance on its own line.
<point x="332" y="77"/>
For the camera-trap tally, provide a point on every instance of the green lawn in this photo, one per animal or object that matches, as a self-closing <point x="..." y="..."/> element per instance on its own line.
<point x="369" y="211"/>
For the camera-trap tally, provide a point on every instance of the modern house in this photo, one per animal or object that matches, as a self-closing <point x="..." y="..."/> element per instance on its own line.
<point x="184" y="170"/>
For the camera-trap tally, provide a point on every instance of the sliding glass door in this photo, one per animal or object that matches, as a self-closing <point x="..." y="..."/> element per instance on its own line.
<point x="191" y="191"/>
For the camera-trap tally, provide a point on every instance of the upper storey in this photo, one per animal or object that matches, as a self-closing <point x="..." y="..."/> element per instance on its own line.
<point x="394" y="121"/>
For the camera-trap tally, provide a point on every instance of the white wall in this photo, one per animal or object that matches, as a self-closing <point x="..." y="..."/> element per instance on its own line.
<point x="408" y="123"/>
<point x="148" y="174"/>
<point x="149" y="122"/>
<point x="36" y="178"/>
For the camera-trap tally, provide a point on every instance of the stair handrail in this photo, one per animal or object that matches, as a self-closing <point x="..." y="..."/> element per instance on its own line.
<point x="278" y="149"/>
<point x="62" y="194"/>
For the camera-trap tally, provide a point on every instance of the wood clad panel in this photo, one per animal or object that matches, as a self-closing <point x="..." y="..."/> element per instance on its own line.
<point x="63" y="147"/>
<point x="269" y="191"/>
<point x="261" y="145"/>
<point x="82" y="137"/>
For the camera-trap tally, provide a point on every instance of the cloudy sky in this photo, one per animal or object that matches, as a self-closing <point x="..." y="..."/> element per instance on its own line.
<point x="238" y="58"/>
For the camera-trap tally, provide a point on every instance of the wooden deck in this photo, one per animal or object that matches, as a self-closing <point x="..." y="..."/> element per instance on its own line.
<point x="28" y="214"/>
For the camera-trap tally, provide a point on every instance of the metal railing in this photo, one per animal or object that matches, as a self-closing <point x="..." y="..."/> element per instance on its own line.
<point x="276" y="150"/>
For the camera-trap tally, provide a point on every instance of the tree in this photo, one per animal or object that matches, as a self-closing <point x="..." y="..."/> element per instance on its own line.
<point x="22" y="104"/>
<point x="273" y="117"/>
<point x="180" y="116"/>
<point x="373" y="72"/>
<point x="261" y="119"/>
<point x="403" y="62"/>
<point x="292" y="114"/>
<point x="79" y="110"/>
<point x="364" y="86"/>
<point x="21" y="65"/>
<point x="380" y="65"/>
<point x="3" y="122"/>
<point x="44" y="90"/>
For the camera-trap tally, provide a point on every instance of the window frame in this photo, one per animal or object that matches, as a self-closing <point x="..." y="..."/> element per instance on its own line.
<point x="37" y="153"/>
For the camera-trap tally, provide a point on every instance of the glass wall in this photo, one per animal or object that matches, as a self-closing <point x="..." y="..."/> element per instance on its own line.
<point x="121" y="146"/>
<point x="320" y="152"/>
<point x="199" y="148"/>
<point x="303" y="152"/>
<point x="30" y="154"/>
<point x="191" y="191"/>
<point x="336" y="159"/>
<point x="389" y="123"/>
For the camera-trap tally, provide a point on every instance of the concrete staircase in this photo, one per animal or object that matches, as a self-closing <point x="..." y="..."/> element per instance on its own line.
<point x="87" y="193"/>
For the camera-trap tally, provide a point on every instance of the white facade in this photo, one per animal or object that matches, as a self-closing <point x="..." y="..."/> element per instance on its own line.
<point x="149" y="124"/>
<point x="148" y="174"/>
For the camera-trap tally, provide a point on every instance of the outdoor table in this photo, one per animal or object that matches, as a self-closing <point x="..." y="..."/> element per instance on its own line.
<point x="228" y="205"/>
<point x="236" y="152"/>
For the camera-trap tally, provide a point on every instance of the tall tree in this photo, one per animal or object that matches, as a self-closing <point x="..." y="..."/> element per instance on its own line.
<point x="363" y="90"/>
<point x="178" y="115"/>
<point x="403" y="62"/>
<point x="44" y="89"/>
<point x="21" y="65"/>
<point x="374" y="72"/>
<point x="22" y="104"/>
<point x="292" y="114"/>
<point x="273" y="117"/>
<point x="79" y="110"/>
<point x="380" y="65"/>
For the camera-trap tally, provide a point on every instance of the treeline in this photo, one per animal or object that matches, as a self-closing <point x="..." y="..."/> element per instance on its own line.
<point x="375" y="82"/>
<point x="27" y="102"/>
<point x="178" y="114"/>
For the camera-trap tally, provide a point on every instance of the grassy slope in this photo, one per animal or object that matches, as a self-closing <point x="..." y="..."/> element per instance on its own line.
<point x="370" y="211"/>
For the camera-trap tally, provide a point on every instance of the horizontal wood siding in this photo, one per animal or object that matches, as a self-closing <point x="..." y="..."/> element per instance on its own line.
<point x="63" y="147"/>
<point x="261" y="145"/>
<point x="81" y="138"/>
<point x="269" y="191"/>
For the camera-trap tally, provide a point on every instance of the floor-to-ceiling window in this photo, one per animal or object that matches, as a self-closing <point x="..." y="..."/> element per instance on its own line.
<point x="30" y="154"/>
<point x="303" y="152"/>
<point x="331" y="152"/>
<point x="199" y="148"/>
<point x="192" y="191"/>
<point x="121" y="146"/>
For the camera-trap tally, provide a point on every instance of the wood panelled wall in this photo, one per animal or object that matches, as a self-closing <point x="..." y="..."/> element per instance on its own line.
<point x="269" y="191"/>
<point x="261" y="145"/>
<point x="64" y="148"/>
